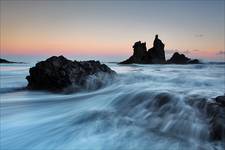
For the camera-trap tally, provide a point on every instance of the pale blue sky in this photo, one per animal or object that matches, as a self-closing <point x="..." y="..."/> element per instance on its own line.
<point x="109" y="28"/>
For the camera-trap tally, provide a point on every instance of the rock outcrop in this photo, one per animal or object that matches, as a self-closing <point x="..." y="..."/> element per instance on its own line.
<point x="155" y="55"/>
<point x="181" y="59"/>
<point x="7" y="61"/>
<point x="59" y="73"/>
<point x="214" y="113"/>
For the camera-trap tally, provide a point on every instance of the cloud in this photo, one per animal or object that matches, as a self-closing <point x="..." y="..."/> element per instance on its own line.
<point x="199" y="35"/>
<point x="186" y="52"/>
<point x="220" y="53"/>
<point x="171" y="51"/>
<point x="195" y="50"/>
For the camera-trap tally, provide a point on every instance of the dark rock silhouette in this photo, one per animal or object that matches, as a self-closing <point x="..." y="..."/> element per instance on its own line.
<point x="58" y="73"/>
<point x="7" y="61"/>
<point x="214" y="112"/>
<point x="139" y="55"/>
<point x="181" y="59"/>
<point x="155" y="55"/>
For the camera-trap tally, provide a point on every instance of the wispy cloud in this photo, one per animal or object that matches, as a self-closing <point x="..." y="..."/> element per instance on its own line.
<point x="199" y="35"/>
<point x="195" y="50"/>
<point x="220" y="53"/>
<point x="171" y="51"/>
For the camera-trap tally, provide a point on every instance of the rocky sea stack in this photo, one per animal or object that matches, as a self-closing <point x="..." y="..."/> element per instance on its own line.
<point x="155" y="55"/>
<point x="181" y="59"/>
<point x="59" y="73"/>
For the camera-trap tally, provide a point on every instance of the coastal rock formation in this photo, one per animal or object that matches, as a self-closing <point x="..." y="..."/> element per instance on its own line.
<point x="139" y="55"/>
<point x="181" y="59"/>
<point x="155" y="55"/>
<point x="58" y="73"/>
<point x="7" y="61"/>
<point x="214" y="112"/>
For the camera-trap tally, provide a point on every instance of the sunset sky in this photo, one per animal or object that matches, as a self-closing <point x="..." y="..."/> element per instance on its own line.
<point x="110" y="28"/>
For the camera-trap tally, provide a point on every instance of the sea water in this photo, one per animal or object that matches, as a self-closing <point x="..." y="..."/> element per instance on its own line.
<point x="120" y="115"/>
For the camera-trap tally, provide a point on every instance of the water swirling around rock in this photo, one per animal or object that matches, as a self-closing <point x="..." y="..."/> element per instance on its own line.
<point x="145" y="107"/>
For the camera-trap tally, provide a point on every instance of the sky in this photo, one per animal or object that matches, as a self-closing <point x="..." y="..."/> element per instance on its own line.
<point x="108" y="29"/>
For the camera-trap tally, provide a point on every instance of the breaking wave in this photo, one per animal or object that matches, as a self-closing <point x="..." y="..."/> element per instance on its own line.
<point x="145" y="107"/>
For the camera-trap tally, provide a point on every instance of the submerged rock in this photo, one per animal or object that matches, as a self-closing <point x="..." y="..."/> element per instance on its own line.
<point x="220" y="100"/>
<point x="155" y="55"/>
<point x="181" y="59"/>
<point x="214" y="112"/>
<point x="58" y="73"/>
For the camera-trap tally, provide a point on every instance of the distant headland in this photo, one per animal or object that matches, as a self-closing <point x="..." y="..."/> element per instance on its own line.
<point x="155" y="55"/>
<point x="4" y="61"/>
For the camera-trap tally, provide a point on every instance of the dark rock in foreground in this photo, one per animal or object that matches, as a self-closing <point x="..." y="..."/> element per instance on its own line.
<point x="214" y="113"/>
<point x="181" y="59"/>
<point x="155" y="55"/>
<point x="59" y="73"/>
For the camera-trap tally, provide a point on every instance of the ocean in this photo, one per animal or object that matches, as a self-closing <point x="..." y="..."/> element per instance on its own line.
<point x="121" y="115"/>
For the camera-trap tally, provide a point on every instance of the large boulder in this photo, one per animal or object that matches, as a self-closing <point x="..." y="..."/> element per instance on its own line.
<point x="178" y="58"/>
<point x="59" y="73"/>
<point x="155" y="55"/>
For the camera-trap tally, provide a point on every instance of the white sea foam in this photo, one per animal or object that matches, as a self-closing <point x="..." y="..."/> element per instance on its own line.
<point x="128" y="113"/>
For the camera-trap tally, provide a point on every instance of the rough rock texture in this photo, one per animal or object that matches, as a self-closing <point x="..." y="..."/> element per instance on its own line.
<point x="181" y="59"/>
<point x="214" y="112"/>
<point x="155" y="55"/>
<point x="58" y="73"/>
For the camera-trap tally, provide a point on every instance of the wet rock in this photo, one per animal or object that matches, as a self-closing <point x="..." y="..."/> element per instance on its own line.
<point x="181" y="59"/>
<point x="155" y="55"/>
<point x="220" y="100"/>
<point x="194" y="61"/>
<point x="160" y="100"/>
<point x="58" y="73"/>
<point x="214" y="114"/>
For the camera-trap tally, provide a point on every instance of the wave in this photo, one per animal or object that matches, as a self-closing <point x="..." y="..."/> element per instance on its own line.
<point x="144" y="107"/>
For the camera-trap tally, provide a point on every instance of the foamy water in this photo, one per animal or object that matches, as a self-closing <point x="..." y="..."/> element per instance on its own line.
<point x="125" y="114"/>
